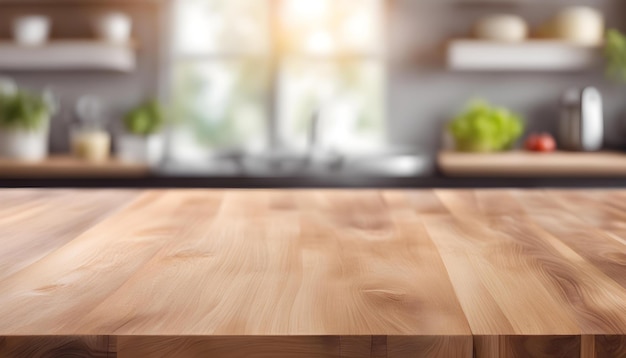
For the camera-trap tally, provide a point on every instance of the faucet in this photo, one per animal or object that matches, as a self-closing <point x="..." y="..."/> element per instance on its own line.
<point x="314" y="131"/>
<point x="315" y="151"/>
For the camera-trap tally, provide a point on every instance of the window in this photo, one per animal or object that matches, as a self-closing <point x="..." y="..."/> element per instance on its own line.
<point x="250" y="74"/>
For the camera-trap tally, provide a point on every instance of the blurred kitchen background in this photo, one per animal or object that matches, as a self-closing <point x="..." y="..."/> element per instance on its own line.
<point x="341" y="91"/>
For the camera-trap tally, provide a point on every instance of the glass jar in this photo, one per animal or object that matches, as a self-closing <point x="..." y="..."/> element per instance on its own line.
<point x="91" y="144"/>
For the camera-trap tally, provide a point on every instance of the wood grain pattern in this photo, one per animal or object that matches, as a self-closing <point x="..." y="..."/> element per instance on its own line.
<point x="92" y="266"/>
<point x="54" y="346"/>
<point x="432" y="347"/>
<point x="26" y="226"/>
<point x="355" y="346"/>
<point x="610" y="347"/>
<point x="313" y="266"/>
<point x="326" y="273"/>
<point x="297" y="347"/>
<point x="497" y="284"/>
<point x="229" y="347"/>
<point x="527" y="346"/>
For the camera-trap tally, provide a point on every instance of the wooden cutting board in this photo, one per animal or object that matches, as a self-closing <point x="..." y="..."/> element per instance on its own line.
<point x="532" y="164"/>
<point x="313" y="273"/>
<point x="69" y="167"/>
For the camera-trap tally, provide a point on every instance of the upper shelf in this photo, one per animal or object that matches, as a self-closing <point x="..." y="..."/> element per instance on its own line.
<point x="68" y="55"/>
<point x="532" y="55"/>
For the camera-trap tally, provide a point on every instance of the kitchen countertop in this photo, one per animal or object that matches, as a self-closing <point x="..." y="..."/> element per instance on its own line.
<point x="599" y="172"/>
<point x="64" y="172"/>
<point x="350" y="273"/>
<point x="430" y="182"/>
<point x="60" y="166"/>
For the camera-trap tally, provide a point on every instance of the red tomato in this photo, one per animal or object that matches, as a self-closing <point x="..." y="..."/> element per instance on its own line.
<point x="540" y="143"/>
<point x="546" y="143"/>
<point x="532" y="142"/>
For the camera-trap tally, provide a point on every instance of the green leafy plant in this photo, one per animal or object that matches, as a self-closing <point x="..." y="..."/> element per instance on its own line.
<point x="23" y="110"/>
<point x="485" y="128"/>
<point x="615" y="53"/>
<point x="145" y="119"/>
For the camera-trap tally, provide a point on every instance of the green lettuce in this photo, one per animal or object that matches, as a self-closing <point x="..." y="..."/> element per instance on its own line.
<point x="485" y="128"/>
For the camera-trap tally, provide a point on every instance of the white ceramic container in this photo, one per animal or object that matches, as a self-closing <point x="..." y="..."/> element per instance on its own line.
<point x="31" y="30"/>
<point x="141" y="149"/>
<point x="24" y="145"/>
<point x="506" y="28"/>
<point x="114" y="27"/>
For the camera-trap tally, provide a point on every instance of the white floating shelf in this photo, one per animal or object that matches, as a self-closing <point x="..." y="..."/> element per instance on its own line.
<point x="532" y="55"/>
<point x="68" y="55"/>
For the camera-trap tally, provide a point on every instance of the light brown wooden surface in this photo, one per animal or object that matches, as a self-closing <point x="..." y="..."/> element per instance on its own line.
<point x="68" y="167"/>
<point x="325" y="273"/>
<point x="532" y="164"/>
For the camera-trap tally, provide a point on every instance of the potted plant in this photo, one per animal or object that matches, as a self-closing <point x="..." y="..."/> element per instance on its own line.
<point x="142" y="141"/>
<point x="24" y="125"/>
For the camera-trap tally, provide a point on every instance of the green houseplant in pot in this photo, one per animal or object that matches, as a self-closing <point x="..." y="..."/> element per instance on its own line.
<point x="142" y="140"/>
<point x="24" y="125"/>
<point x="485" y="128"/>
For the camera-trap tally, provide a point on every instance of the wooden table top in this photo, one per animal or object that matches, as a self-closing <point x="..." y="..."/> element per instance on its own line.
<point x="312" y="262"/>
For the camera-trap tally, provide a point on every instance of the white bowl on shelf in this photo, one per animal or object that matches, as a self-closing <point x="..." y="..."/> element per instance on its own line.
<point x="31" y="30"/>
<point x="114" y="27"/>
<point x="502" y="27"/>
<point x="580" y="24"/>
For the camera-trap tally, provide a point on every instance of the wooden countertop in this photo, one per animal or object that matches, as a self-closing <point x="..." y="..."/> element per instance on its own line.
<point x="69" y="167"/>
<point x="533" y="164"/>
<point x="316" y="273"/>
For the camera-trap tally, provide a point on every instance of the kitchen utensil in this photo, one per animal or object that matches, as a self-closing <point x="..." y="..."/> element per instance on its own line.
<point x="582" y="123"/>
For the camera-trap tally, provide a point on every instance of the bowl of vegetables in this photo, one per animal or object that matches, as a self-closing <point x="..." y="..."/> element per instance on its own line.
<point x="482" y="127"/>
